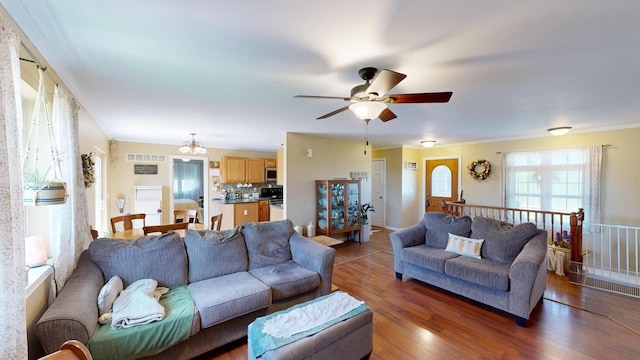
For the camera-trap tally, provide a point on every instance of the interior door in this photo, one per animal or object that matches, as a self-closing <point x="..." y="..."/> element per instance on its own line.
<point x="441" y="183"/>
<point x="377" y="192"/>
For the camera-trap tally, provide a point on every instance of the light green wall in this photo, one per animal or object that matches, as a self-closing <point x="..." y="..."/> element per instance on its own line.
<point x="332" y="158"/>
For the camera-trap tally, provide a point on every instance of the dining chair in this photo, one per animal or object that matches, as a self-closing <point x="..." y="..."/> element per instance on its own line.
<point x="94" y="232"/>
<point x="180" y="216"/>
<point x="165" y="228"/>
<point x="70" y="350"/>
<point x="216" y="219"/>
<point x="127" y="221"/>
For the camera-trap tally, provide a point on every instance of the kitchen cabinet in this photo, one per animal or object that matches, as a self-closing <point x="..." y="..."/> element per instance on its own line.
<point x="280" y="166"/>
<point x="270" y="163"/>
<point x="337" y="206"/>
<point x="233" y="169"/>
<point x="263" y="210"/>
<point x="254" y="170"/>
<point x="245" y="212"/>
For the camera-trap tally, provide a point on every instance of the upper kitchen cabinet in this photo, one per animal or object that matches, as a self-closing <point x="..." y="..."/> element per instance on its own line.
<point x="254" y="170"/>
<point x="233" y="169"/>
<point x="270" y="163"/>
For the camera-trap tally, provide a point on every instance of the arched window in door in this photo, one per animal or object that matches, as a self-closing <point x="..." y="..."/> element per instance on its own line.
<point x="441" y="181"/>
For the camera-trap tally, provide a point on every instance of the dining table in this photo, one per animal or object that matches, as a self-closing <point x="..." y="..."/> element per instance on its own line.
<point x="135" y="233"/>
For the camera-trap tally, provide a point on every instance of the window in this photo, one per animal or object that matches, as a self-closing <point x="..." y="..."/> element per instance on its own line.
<point x="556" y="180"/>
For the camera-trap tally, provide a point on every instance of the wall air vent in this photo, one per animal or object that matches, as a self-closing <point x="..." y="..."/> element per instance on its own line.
<point x="148" y="158"/>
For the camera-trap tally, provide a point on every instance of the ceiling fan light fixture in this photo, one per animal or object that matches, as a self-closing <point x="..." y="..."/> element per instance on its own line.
<point x="559" y="131"/>
<point x="192" y="146"/>
<point x="428" y="143"/>
<point x="367" y="110"/>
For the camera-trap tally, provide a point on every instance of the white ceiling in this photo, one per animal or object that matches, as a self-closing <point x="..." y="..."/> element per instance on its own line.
<point x="155" y="70"/>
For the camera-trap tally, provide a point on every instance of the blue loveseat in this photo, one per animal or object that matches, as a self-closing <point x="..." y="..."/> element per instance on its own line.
<point x="510" y="274"/>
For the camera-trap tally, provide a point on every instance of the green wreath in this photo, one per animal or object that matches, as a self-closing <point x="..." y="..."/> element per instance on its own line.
<point x="479" y="169"/>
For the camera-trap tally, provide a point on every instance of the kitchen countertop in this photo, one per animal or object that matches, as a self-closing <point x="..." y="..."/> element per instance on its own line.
<point x="237" y="201"/>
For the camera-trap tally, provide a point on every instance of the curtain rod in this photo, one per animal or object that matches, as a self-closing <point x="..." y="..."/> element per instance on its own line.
<point x="37" y="63"/>
<point x="603" y="146"/>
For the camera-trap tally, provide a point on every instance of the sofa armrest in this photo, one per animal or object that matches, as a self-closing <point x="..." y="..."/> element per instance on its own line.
<point x="527" y="276"/>
<point x="74" y="313"/>
<point x="315" y="257"/>
<point x="410" y="236"/>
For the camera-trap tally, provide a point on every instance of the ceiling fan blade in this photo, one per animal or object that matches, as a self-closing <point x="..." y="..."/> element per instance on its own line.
<point x="441" y="97"/>
<point x="387" y="115"/>
<point x="333" y="113"/>
<point x="322" y="97"/>
<point x="385" y="81"/>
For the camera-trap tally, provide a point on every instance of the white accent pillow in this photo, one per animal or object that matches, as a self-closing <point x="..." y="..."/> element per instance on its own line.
<point x="464" y="246"/>
<point x="108" y="294"/>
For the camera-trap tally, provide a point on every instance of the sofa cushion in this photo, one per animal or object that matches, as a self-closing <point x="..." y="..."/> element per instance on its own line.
<point x="215" y="253"/>
<point x="485" y="272"/>
<point x="502" y="241"/>
<point x="287" y="279"/>
<point x="267" y="242"/>
<point x="428" y="257"/>
<point x="439" y="226"/>
<point x="108" y="294"/>
<point x="464" y="246"/>
<point x="161" y="257"/>
<point x="228" y="296"/>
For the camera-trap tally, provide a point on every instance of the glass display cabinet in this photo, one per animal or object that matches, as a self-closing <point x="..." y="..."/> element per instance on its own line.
<point x="337" y="207"/>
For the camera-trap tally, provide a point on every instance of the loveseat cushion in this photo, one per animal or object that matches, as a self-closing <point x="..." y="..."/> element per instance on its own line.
<point x="428" y="257"/>
<point x="485" y="272"/>
<point x="215" y="253"/>
<point x="439" y="225"/>
<point x="287" y="279"/>
<point x="502" y="241"/>
<point x="228" y="296"/>
<point x="161" y="257"/>
<point x="267" y="242"/>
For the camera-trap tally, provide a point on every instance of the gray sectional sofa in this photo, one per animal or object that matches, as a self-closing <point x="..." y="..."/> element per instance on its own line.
<point x="510" y="274"/>
<point x="233" y="277"/>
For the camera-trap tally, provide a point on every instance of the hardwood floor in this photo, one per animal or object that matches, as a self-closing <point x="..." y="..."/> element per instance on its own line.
<point x="413" y="320"/>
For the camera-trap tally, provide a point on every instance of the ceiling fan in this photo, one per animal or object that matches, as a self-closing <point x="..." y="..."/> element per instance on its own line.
<point x="369" y="99"/>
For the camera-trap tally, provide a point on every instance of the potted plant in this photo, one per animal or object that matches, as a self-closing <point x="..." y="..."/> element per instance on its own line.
<point x="40" y="190"/>
<point x="364" y="221"/>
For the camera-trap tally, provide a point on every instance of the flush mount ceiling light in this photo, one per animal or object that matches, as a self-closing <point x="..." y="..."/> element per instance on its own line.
<point x="367" y="110"/>
<point x="557" y="131"/>
<point x="428" y="143"/>
<point x="193" y="146"/>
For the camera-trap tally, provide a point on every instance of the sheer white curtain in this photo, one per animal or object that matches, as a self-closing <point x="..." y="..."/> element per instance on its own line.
<point x="69" y="231"/>
<point x="13" y="277"/>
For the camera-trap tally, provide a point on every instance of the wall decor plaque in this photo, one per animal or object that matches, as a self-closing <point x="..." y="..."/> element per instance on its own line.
<point x="145" y="169"/>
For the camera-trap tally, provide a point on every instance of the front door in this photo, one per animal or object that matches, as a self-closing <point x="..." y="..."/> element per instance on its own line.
<point x="441" y="183"/>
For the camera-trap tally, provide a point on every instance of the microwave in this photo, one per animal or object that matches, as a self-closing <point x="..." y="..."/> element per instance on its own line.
<point x="270" y="174"/>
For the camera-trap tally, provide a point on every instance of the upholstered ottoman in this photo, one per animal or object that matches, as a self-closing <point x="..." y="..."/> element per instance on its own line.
<point x="349" y="338"/>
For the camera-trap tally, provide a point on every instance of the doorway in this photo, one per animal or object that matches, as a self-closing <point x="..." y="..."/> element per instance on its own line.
<point x="189" y="186"/>
<point x="378" y="186"/>
<point x="441" y="181"/>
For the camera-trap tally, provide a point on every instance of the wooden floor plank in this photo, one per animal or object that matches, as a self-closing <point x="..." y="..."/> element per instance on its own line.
<point x="413" y="320"/>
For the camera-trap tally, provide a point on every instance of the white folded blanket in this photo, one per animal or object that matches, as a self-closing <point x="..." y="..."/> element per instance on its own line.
<point x="138" y="304"/>
<point x="311" y="315"/>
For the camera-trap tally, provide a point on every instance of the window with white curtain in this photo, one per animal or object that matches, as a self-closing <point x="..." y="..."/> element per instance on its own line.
<point x="560" y="180"/>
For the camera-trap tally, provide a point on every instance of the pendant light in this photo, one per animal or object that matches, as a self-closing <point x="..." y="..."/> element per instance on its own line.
<point x="193" y="146"/>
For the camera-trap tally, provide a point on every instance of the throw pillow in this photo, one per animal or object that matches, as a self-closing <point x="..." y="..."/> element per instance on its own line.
<point x="161" y="257"/>
<point x="267" y="242"/>
<point x="108" y="294"/>
<point x="215" y="253"/>
<point x="464" y="246"/>
<point x="502" y="241"/>
<point x="439" y="225"/>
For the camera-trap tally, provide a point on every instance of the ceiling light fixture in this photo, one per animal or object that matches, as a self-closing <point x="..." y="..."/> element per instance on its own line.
<point x="367" y="110"/>
<point x="193" y="146"/>
<point x="558" y="131"/>
<point x="428" y="143"/>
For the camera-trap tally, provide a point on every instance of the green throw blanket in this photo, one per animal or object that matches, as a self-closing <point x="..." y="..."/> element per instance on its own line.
<point x="150" y="339"/>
